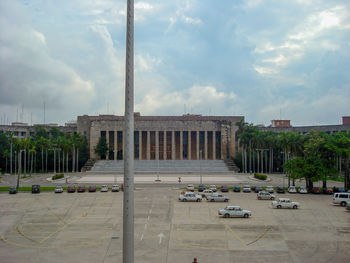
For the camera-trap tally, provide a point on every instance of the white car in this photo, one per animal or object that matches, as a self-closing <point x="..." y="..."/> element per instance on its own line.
<point x="292" y="190"/>
<point x="247" y="189"/>
<point x="115" y="188"/>
<point x="190" y="196"/>
<point x="234" y="211"/>
<point x="104" y="188"/>
<point x="217" y="198"/>
<point x="302" y="190"/>
<point x="59" y="189"/>
<point x="213" y="187"/>
<point x="190" y="187"/>
<point x="207" y="192"/>
<point x="265" y="195"/>
<point x="285" y="203"/>
<point x="269" y="189"/>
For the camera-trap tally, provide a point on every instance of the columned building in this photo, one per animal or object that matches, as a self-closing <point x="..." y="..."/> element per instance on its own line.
<point x="186" y="137"/>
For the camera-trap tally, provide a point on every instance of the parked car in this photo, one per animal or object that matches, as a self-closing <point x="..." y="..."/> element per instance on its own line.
<point x="269" y="189"/>
<point x="224" y="188"/>
<point x="302" y="190"/>
<point x="316" y="190"/>
<point x="190" y="196"/>
<point x="246" y="189"/>
<point x="292" y="189"/>
<point x="234" y="211"/>
<point x="339" y="190"/>
<point x="201" y="187"/>
<point x="115" y="188"/>
<point x="81" y="189"/>
<point x="328" y="191"/>
<point x="258" y="189"/>
<point x="207" y="192"/>
<point x="213" y="187"/>
<point x="104" y="188"/>
<point x="71" y="189"/>
<point x="190" y="187"/>
<point x="92" y="188"/>
<point x="341" y="198"/>
<point x="285" y="203"/>
<point x="280" y="190"/>
<point x="263" y="195"/>
<point x="236" y="188"/>
<point x="253" y="188"/>
<point x="347" y="207"/>
<point x="13" y="190"/>
<point x="35" y="189"/>
<point x="216" y="197"/>
<point x="59" y="189"/>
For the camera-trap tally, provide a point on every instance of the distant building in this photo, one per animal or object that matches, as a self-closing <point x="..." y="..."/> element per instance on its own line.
<point x="346" y="120"/>
<point x="280" y="123"/>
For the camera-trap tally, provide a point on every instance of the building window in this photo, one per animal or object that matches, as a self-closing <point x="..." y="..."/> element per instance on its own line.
<point x="23" y="134"/>
<point x="15" y="133"/>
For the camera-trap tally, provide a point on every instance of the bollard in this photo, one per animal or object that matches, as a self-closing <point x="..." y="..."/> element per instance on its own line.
<point x="195" y="260"/>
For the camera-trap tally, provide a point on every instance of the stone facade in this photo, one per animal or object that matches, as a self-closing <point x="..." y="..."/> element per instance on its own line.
<point x="187" y="137"/>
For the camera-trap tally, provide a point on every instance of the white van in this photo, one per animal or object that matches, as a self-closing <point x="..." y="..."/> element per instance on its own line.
<point x="341" y="198"/>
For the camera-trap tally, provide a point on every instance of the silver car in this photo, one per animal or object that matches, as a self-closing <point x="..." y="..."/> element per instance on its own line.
<point x="190" y="196"/>
<point x="234" y="211"/>
<point x="285" y="203"/>
<point x="104" y="188"/>
<point x="216" y="197"/>
<point x="59" y="189"/>
<point x="263" y="195"/>
<point x="269" y="189"/>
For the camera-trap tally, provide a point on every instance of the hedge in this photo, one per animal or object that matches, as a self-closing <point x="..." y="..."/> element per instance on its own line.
<point x="260" y="176"/>
<point x="57" y="176"/>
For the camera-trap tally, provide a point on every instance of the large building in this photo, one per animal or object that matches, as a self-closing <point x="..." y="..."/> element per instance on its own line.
<point x="186" y="137"/>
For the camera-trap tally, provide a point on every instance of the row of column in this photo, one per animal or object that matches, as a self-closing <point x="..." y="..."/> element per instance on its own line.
<point x="201" y="152"/>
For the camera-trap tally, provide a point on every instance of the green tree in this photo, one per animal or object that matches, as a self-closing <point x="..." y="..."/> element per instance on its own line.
<point x="101" y="147"/>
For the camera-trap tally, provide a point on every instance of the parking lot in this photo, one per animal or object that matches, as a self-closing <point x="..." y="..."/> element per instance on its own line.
<point x="87" y="227"/>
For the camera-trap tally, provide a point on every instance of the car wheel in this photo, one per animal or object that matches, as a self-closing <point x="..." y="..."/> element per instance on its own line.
<point x="198" y="200"/>
<point x="272" y="198"/>
<point x="279" y="207"/>
<point x="295" y="207"/>
<point x="259" y="198"/>
<point x="342" y="203"/>
<point x="184" y="200"/>
<point x="246" y="215"/>
<point x="212" y="200"/>
<point x="226" y="215"/>
<point x="226" y="200"/>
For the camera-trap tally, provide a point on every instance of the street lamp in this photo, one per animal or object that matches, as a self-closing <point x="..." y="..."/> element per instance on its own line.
<point x="200" y="165"/>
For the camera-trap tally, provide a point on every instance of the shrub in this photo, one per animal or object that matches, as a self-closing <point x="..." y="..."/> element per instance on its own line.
<point x="260" y="176"/>
<point x="57" y="176"/>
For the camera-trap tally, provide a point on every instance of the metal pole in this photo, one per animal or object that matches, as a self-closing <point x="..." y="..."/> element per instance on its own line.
<point x="128" y="202"/>
<point x="19" y="167"/>
<point x="200" y="165"/>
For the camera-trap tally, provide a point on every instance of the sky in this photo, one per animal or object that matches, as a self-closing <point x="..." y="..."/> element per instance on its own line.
<point x="263" y="60"/>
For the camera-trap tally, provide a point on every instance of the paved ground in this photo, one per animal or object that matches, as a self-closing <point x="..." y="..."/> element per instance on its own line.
<point x="87" y="227"/>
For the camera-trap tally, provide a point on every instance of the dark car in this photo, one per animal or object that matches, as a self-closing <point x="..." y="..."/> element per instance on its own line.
<point x="81" y="189"/>
<point x="258" y="189"/>
<point x="280" y="190"/>
<point x="253" y="188"/>
<point x="71" y="189"/>
<point x="13" y="190"/>
<point x="328" y="191"/>
<point x="35" y="189"/>
<point x="316" y="190"/>
<point x="236" y="188"/>
<point x="201" y="188"/>
<point x="224" y="188"/>
<point x="338" y="190"/>
<point x="92" y="188"/>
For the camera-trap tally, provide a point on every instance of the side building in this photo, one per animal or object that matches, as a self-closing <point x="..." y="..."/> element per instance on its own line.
<point x="186" y="137"/>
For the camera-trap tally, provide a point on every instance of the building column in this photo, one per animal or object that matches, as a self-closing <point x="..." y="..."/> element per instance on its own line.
<point x="197" y="144"/>
<point x="157" y="145"/>
<point x="140" y="145"/>
<point x="148" y="145"/>
<point x="189" y="145"/>
<point x="164" y="146"/>
<point x="115" y="145"/>
<point x="107" y="140"/>
<point x="205" y="145"/>
<point x="181" y="145"/>
<point x="214" y="145"/>
<point x="173" y="145"/>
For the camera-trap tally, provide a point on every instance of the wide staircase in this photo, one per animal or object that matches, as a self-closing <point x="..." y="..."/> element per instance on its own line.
<point x="164" y="167"/>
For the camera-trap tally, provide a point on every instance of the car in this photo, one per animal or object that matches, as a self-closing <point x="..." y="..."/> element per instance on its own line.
<point x="292" y="189"/>
<point x="81" y="189"/>
<point x="115" y="188"/>
<point x="347" y="207"/>
<point x="246" y="189"/>
<point x="265" y="195"/>
<point x="269" y="189"/>
<point x="341" y="198"/>
<point x="328" y="191"/>
<point x="213" y="187"/>
<point x="339" y="190"/>
<point x="58" y="189"/>
<point x="234" y="211"/>
<point x="104" y="188"/>
<point x="207" y="192"/>
<point x="216" y="197"/>
<point x="253" y="188"/>
<point x="236" y="188"/>
<point x="13" y="190"/>
<point x="316" y="190"/>
<point x="35" y="189"/>
<point x="92" y="188"/>
<point x="258" y="189"/>
<point x="190" y="187"/>
<point x="224" y="188"/>
<point x="190" y="196"/>
<point x="71" y="189"/>
<point x="302" y="190"/>
<point x="280" y="190"/>
<point x="201" y="187"/>
<point x="284" y="203"/>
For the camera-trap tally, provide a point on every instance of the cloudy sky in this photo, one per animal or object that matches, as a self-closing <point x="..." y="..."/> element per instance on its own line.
<point x="255" y="58"/>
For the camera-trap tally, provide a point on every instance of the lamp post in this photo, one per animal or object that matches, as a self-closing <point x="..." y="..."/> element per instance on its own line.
<point x="200" y="165"/>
